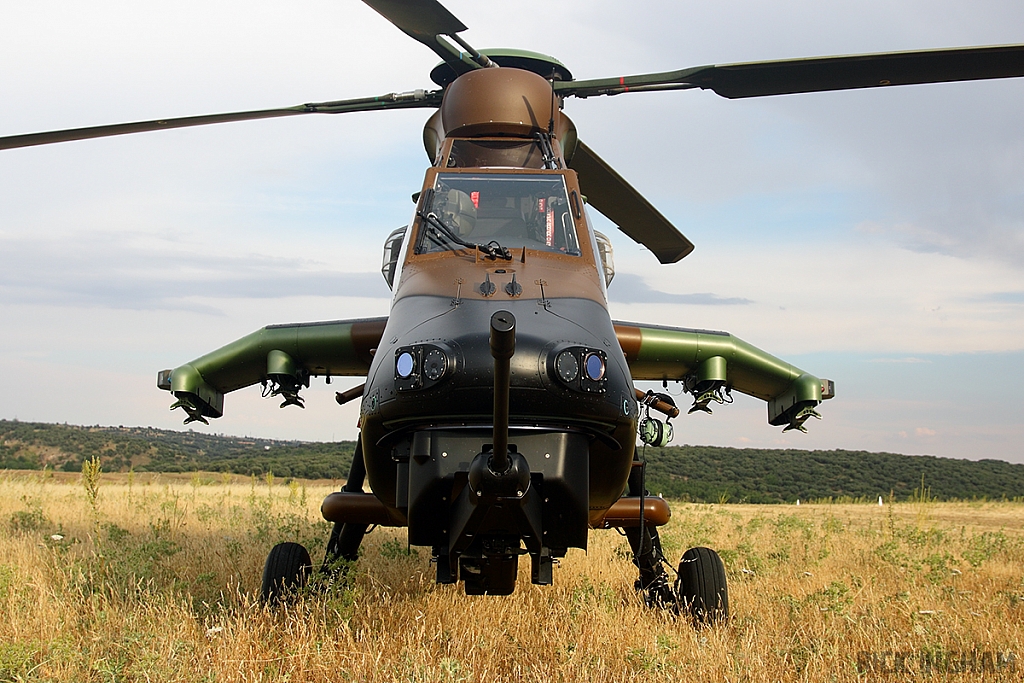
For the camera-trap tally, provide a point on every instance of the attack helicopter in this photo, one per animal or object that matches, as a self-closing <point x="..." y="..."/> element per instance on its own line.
<point x="499" y="416"/>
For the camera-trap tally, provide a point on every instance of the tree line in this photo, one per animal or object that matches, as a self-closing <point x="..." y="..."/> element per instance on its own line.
<point x="695" y="473"/>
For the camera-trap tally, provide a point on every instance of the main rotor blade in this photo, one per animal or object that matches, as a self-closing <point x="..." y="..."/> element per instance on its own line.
<point x="425" y="21"/>
<point x="609" y="193"/>
<point x="817" y="74"/>
<point x="408" y="100"/>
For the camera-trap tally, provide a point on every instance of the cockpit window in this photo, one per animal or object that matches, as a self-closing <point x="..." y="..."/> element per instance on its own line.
<point x="495" y="154"/>
<point x="514" y="211"/>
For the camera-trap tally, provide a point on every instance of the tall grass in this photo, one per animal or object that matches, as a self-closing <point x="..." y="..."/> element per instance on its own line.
<point x="155" y="578"/>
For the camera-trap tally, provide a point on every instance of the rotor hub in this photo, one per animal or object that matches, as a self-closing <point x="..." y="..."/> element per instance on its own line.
<point x="542" y="65"/>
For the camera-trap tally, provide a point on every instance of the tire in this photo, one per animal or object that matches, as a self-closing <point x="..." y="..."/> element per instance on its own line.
<point x="287" y="569"/>
<point x="701" y="586"/>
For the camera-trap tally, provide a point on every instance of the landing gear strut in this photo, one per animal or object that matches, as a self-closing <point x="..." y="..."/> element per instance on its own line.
<point x="700" y="587"/>
<point x="346" y="538"/>
<point x="647" y="556"/>
<point x="289" y="567"/>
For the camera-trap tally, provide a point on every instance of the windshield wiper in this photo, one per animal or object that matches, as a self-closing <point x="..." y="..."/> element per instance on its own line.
<point x="438" y="230"/>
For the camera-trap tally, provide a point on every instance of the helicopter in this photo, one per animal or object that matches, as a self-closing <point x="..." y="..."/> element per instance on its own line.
<point x="499" y="410"/>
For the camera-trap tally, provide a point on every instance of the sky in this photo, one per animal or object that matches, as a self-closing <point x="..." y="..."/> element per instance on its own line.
<point x="874" y="237"/>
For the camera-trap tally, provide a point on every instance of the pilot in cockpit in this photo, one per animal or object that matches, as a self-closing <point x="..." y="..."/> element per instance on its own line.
<point x="512" y="211"/>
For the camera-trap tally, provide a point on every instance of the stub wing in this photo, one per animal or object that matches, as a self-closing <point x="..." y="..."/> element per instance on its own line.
<point x="282" y="357"/>
<point x="711" y="364"/>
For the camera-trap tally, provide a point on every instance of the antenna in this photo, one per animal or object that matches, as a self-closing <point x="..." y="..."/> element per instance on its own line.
<point x="551" y="121"/>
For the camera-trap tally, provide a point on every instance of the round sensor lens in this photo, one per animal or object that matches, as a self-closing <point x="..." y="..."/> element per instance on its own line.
<point x="567" y="367"/>
<point x="404" y="364"/>
<point x="595" y="366"/>
<point x="434" y="364"/>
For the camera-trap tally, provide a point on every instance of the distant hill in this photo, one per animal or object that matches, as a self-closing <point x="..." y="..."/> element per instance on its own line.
<point x="697" y="473"/>
<point x="31" y="445"/>
<point x="754" y="475"/>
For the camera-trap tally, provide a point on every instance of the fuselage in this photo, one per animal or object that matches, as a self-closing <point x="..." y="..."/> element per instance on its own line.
<point x="446" y="293"/>
<point x="500" y="224"/>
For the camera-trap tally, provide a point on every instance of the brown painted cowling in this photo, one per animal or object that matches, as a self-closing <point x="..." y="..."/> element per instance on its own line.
<point x="625" y="513"/>
<point x="500" y="101"/>
<point x="504" y="101"/>
<point x="346" y="507"/>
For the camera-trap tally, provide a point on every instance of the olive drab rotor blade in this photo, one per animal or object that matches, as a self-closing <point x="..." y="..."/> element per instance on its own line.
<point x="621" y="203"/>
<point x="425" y="21"/>
<point x="818" y="74"/>
<point x="408" y="100"/>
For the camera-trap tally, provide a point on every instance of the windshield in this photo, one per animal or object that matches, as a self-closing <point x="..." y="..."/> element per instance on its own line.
<point x="515" y="211"/>
<point x="495" y="153"/>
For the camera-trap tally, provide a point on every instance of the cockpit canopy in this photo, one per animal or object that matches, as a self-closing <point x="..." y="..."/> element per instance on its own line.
<point x="508" y="153"/>
<point x="515" y="210"/>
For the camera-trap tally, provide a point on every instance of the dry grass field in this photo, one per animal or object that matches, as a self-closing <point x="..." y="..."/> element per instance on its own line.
<point x="154" y="578"/>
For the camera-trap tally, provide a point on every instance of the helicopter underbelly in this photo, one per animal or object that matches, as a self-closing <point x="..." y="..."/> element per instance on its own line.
<point x="595" y="422"/>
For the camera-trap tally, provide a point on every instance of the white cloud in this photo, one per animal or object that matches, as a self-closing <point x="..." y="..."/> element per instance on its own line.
<point x="630" y="289"/>
<point x="131" y="271"/>
<point x="846" y="295"/>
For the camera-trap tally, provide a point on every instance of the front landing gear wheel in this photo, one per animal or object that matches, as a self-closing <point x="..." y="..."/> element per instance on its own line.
<point x="701" y="586"/>
<point x="287" y="570"/>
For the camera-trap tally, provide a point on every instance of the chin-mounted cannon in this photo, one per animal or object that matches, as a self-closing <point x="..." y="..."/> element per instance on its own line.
<point x="499" y="472"/>
<point x="483" y="495"/>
